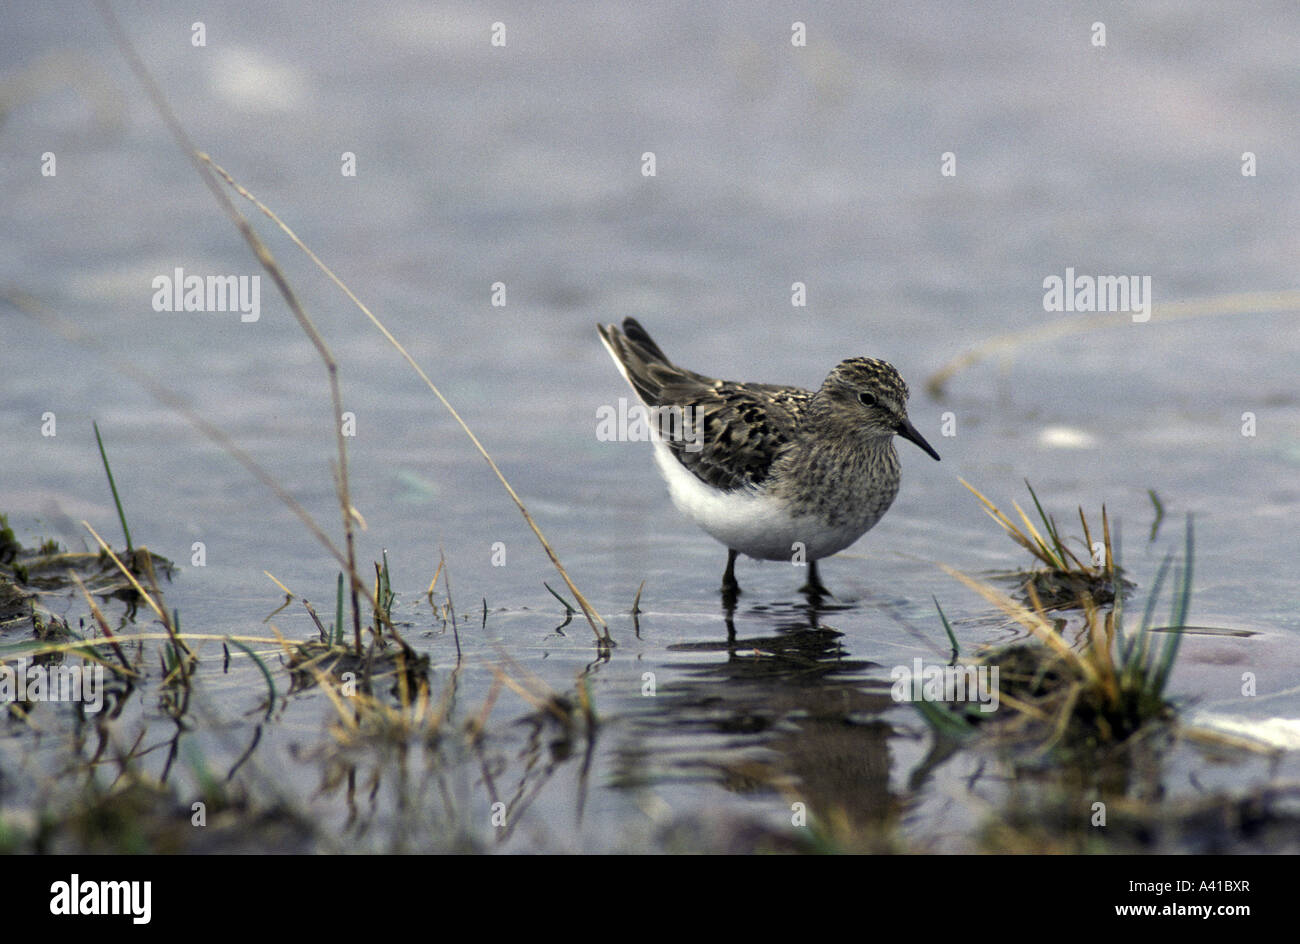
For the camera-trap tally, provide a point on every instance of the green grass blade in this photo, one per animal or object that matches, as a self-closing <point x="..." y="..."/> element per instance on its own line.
<point x="947" y="628"/>
<point x="1050" y="527"/>
<point x="1161" y="574"/>
<point x="266" y="674"/>
<point x="1118" y="606"/>
<point x="1135" y="657"/>
<point x="1182" y="603"/>
<point x="338" y="614"/>
<point x="121" y="515"/>
<point x="1183" y="597"/>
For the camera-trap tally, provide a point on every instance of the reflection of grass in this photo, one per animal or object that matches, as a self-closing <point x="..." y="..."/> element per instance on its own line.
<point x="1064" y="821"/>
<point x="1087" y="723"/>
<point x="415" y="742"/>
<point x="389" y="728"/>
<point x="138" y="816"/>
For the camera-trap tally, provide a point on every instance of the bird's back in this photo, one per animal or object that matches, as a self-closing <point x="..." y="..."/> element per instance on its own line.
<point x="734" y="431"/>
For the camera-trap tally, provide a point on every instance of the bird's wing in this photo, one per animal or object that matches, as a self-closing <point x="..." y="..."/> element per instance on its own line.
<point x="732" y="432"/>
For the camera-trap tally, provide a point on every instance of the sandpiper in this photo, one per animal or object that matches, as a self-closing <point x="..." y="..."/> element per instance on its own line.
<point x="775" y="473"/>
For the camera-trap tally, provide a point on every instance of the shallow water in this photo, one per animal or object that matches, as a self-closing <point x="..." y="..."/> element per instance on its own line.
<point x="775" y="164"/>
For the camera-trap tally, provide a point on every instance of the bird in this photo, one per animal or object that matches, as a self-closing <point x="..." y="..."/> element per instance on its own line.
<point x="772" y="472"/>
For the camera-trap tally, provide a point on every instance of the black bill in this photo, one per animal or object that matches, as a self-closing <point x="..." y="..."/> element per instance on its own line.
<point x="908" y="431"/>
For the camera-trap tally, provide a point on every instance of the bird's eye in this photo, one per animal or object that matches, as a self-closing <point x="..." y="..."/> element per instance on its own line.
<point x="867" y="399"/>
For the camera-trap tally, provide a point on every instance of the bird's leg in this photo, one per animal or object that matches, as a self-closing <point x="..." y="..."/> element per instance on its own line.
<point x="730" y="588"/>
<point x="814" y="587"/>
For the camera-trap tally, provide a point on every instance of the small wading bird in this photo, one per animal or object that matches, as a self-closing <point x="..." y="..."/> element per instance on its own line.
<point x="776" y="473"/>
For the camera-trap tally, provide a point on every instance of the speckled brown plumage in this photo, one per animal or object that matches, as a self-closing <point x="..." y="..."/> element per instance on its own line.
<point x="813" y="470"/>
<point x="743" y="426"/>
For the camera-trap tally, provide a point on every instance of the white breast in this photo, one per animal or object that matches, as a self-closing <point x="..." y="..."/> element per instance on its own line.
<point x="750" y="521"/>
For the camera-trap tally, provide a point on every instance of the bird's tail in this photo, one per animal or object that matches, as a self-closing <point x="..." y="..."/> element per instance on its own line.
<point x="636" y="355"/>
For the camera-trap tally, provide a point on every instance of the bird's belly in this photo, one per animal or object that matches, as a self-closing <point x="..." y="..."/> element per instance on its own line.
<point x="756" y="524"/>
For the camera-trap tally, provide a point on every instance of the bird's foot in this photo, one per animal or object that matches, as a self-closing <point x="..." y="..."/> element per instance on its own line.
<point x="814" y="587"/>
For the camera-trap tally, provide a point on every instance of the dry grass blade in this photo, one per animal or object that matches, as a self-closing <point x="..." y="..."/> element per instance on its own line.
<point x="434" y="582"/>
<point x="529" y="696"/>
<point x="474" y="726"/>
<point x="597" y="623"/>
<point x="1023" y="707"/>
<point x="1100" y="647"/>
<point x="1044" y="551"/>
<point x="1062" y="724"/>
<point x="288" y="597"/>
<point x="1007" y="525"/>
<point x="267" y="261"/>
<point x="342" y="707"/>
<point x="1006" y="344"/>
<point x="41" y="312"/>
<point x="1087" y="532"/>
<point x="39" y="648"/>
<point x="177" y="643"/>
<point x="534" y="689"/>
<point x="1033" y="620"/>
<point x="1062" y="550"/>
<point x="1043" y="540"/>
<point x="1105" y="536"/>
<point x="208" y="171"/>
<point x="99" y="618"/>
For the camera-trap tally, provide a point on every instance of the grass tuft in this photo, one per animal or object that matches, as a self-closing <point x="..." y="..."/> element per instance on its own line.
<point x="1062" y="577"/>
<point x="1109" y="685"/>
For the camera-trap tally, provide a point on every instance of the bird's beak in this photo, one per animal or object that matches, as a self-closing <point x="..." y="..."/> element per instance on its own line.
<point x="908" y="431"/>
